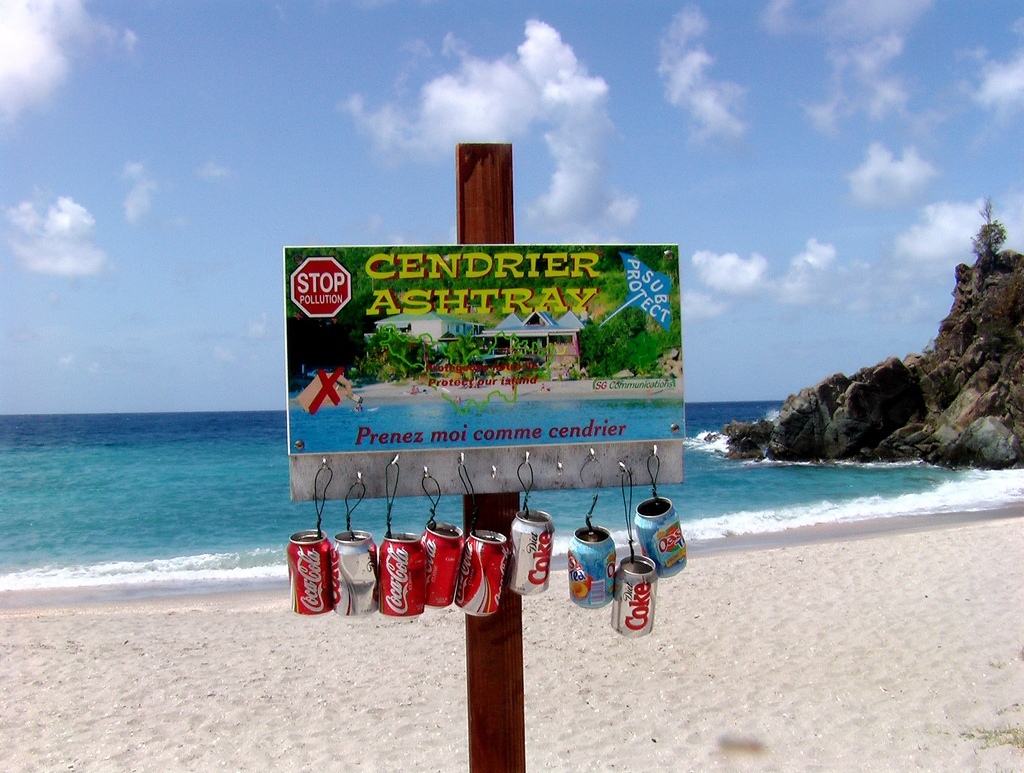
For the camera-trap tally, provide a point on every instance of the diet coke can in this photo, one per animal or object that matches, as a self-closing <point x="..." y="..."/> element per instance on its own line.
<point x="633" y="607"/>
<point x="533" y="533"/>
<point x="660" y="535"/>
<point x="309" y="572"/>
<point x="591" y="567"/>
<point x="355" y="573"/>
<point x="442" y="544"/>
<point x="482" y="573"/>
<point x="402" y="575"/>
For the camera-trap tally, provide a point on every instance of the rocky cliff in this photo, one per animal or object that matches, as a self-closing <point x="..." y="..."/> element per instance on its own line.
<point x="959" y="404"/>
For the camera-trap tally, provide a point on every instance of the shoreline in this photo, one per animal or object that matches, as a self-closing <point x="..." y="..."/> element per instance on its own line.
<point x="840" y="531"/>
<point x="882" y="647"/>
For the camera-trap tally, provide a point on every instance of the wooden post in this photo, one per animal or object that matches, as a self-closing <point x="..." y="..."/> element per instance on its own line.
<point x="494" y="644"/>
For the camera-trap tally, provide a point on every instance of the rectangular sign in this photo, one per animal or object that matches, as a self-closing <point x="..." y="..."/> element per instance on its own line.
<point x="471" y="356"/>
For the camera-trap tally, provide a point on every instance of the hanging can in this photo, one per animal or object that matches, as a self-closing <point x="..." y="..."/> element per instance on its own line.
<point x="533" y="533"/>
<point x="660" y="535"/>
<point x="309" y="572"/>
<point x="442" y="544"/>
<point x="402" y="575"/>
<point x="355" y="573"/>
<point x="482" y="573"/>
<point x="591" y="567"/>
<point x="633" y="605"/>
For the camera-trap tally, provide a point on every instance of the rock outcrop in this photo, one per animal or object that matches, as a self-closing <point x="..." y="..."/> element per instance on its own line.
<point x="960" y="404"/>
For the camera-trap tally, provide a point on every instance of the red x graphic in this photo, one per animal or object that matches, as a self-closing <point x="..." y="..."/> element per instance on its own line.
<point x="327" y="390"/>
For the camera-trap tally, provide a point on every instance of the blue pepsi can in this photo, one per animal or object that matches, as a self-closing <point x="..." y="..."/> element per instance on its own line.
<point x="591" y="567"/>
<point x="660" y="535"/>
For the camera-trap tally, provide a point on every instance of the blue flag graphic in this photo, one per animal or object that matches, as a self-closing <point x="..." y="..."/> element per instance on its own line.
<point x="646" y="289"/>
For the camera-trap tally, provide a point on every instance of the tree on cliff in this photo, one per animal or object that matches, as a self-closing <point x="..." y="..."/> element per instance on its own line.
<point x="991" y="236"/>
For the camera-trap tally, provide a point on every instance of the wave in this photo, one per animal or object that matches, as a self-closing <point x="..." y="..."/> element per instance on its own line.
<point x="708" y="442"/>
<point x="973" y="491"/>
<point x="259" y="564"/>
<point x="967" y="492"/>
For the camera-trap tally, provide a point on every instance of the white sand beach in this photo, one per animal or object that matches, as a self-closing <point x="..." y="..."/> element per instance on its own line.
<point x="893" y="650"/>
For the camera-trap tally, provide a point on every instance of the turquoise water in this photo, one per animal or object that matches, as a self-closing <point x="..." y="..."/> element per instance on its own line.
<point x="145" y="499"/>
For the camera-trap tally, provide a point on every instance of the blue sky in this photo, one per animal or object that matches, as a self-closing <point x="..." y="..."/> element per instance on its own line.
<point x="820" y="163"/>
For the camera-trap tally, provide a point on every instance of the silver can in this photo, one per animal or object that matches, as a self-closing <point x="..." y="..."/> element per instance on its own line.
<point x="533" y="536"/>
<point x="355" y="573"/>
<point x="633" y="605"/>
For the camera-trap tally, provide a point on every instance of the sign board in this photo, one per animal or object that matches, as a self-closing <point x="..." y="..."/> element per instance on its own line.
<point x="473" y="356"/>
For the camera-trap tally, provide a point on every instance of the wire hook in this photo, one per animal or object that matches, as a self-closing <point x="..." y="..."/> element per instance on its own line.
<point x="349" y="509"/>
<point x="434" y="498"/>
<point x="321" y="500"/>
<point x="657" y="469"/>
<point x="527" y="488"/>
<point x="467" y="484"/>
<point x="389" y="492"/>
<point x="627" y="475"/>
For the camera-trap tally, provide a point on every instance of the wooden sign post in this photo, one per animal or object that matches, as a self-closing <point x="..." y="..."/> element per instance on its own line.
<point x="494" y="644"/>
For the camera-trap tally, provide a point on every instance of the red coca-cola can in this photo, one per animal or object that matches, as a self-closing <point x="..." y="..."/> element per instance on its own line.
<point x="533" y="534"/>
<point x="309" y="572"/>
<point x="401" y="575"/>
<point x="633" y="604"/>
<point x="482" y="573"/>
<point x="442" y="544"/>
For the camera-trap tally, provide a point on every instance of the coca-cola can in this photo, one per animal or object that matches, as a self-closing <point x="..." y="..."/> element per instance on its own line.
<point x="660" y="535"/>
<point x="591" y="567"/>
<point x="402" y="575"/>
<point x="442" y="544"/>
<point x="633" y="606"/>
<point x="309" y="572"/>
<point x="533" y="533"/>
<point x="482" y="573"/>
<point x="355" y="573"/>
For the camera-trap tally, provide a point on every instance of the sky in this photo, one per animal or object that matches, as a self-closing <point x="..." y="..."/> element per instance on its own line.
<point x="820" y="163"/>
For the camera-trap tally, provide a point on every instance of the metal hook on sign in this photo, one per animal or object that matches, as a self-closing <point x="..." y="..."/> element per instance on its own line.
<point x="591" y="457"/>
<point x="627" y="476"/>
<point x="467" y="484"/>
<point x="654" y="473"/>
<point x="319" y="500"/>
<point x="527" y="487"/>
<point x="349" y="509"/>
<point x="389" y="492"/>
<point x="434" y="498"/>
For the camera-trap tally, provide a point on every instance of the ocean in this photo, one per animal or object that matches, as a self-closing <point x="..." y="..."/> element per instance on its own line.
<point x="139" y="504"/>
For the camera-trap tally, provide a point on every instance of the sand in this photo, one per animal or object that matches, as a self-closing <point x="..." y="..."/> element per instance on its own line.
<point x="883" y="650"/>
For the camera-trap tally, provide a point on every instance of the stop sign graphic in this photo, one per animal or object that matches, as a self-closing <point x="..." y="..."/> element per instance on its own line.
<point x="321" y="287"/>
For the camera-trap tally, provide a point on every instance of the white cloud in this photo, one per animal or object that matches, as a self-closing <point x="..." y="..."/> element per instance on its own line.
<point x="865" y="38"/>
<point x="139" y="199"/>
<point x="804" y="281"/>
<point x="257" y="329"/>
<point x="882" y="181"/>
<point x="495" y="101"/>
<point x="35" y="36"/>
<point x="712" y="105"/>
<point x="862" y="83"/>
<point x="1002" y="85"/>
<point x="211" y="171"/>
<point x="61" y="243"/>
<point x="843" y="18"/>
<point x="941" y="239"/>
<point x="698" y="306"/>
<point x="729" y="273"/>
